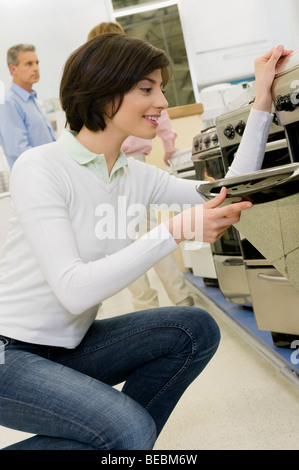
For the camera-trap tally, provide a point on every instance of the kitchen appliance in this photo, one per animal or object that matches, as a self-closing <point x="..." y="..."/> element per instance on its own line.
<point x="210" y="166"/>
<point x="223" y="97"/>
<point x="181" y="164"/>
<point x="206" y="159"/>
<point x="286" y="101"/>
<point x="196" y="256"/>
<point x="206" y="155"/>
<point x="227" y="251"/>
<point x="275" y="300"/>
<point x="231" y="127"/>
<point x="258" y="187"/>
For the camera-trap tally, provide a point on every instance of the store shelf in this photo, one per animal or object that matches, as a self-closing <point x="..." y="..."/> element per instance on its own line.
<point x="242" y="320"/>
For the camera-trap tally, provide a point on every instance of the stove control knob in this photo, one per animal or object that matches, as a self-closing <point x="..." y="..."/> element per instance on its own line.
<point x="229" y="131"/>
<point x="295" y="98"/>
<point x="284" y="103"/>
<point x="240" y="127"/>
<point x="207" y="141"/>
<point x="196" y="144"/>
<point x="214" y="139"/>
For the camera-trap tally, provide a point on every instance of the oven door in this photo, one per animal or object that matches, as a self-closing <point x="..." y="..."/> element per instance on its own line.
<point x="186" y="173"/>
<point x="232" y="279"/>
<point x="275" y="301"/>
<point x="209" y="165"/>
<point x="228" y="244"/>
<point x="277" y="152"/>
<point x="292" y="132"/>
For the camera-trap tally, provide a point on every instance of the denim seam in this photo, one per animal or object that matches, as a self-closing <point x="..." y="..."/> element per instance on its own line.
<point x="164" y="325"/>
<point x="132" y="333"/>
<point x="174" y="377"/>
<point x="29" y="405"/>
<point x="193" y="342"/>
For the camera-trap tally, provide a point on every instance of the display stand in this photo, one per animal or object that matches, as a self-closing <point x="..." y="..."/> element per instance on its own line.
<point x="242" y="320"/>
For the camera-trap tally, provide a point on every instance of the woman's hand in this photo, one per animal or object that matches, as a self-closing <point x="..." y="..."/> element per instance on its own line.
<point x="266" y="67"/>
<point x="206" y="222"/>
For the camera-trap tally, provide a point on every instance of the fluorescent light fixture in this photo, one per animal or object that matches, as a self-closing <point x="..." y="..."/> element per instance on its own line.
<point x="143" y="7"/>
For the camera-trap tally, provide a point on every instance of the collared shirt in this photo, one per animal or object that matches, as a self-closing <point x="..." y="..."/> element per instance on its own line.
<point x="88" y="267"/>
<point x="23" y="124"/>
<point x="92" y="161"/>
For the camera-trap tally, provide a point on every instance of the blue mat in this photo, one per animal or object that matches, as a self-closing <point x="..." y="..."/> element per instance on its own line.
<point x="245" y="318"/>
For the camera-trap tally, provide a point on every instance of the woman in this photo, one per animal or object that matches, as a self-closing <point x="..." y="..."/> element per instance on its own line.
<point x="71" y="245"/>
<point x="144" y="296"/>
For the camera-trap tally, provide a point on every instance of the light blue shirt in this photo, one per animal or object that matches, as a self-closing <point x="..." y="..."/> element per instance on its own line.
<point x="23" y="124"/>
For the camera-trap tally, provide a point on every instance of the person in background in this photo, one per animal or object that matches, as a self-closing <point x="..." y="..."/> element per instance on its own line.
<point x="23" y="124"/>
<point x="105" y="27"/>
<point x="143" y="295"/>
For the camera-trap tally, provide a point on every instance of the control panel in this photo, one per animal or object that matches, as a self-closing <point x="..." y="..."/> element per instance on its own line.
<point x="285" y="92"/>
<point x="287" y="102"/>
<point x="207" y="139"/>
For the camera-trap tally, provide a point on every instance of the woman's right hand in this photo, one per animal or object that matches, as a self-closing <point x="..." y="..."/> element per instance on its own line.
<point x="206" y="222"/>
<point x="266" y="67"/>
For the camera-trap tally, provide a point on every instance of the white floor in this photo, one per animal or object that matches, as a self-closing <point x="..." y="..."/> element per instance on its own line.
<point x="240" y="401"/>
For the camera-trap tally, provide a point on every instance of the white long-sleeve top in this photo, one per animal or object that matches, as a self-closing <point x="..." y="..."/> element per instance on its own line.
<point x="71" y="239"/>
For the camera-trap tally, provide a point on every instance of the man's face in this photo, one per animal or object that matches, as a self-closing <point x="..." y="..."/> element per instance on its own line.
<point x="26" y="73"/>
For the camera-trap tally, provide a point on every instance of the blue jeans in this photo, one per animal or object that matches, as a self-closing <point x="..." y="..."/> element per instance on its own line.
<point x="66" y="396"/>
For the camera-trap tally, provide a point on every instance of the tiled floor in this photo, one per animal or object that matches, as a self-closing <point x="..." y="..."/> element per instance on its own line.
<point x="240" y="401"/>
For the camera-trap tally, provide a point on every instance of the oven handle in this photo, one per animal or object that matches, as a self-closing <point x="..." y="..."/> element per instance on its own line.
<point x="276" y="145"/>
<point x="241" y="192"/>
<point x="233" y="262"/>
<point x="185" y="174"/>
<point x="266" y="277"/>
<point x="206" y="154"/>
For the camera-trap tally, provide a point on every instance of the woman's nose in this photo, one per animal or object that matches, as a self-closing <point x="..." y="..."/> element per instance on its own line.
<point x="163" y="103"/>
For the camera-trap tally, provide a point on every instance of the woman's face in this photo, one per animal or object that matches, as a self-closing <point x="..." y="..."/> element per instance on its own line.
<point x="141" y="108"/>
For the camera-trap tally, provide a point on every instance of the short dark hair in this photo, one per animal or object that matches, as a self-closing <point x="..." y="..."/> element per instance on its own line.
<point x="100" y="72"/>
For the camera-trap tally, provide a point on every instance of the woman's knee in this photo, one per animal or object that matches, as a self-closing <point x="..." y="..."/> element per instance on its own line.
<point x="137" y="431"/>
<point x="201" y="329"/>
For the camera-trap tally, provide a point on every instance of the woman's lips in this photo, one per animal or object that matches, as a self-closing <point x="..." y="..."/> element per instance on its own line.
<point x="152" y="119"/>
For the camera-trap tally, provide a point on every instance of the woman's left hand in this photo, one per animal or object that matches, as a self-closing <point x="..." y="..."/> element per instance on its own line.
<point x="266" y="67"/>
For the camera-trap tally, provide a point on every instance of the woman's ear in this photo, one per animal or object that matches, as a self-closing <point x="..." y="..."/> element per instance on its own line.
<point x="112" y="108"/>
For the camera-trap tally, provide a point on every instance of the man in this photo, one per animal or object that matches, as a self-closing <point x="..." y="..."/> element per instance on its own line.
<point x="23" y="125"/>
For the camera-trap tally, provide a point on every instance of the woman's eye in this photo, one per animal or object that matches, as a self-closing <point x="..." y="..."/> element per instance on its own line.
<point x="146" y="90"/>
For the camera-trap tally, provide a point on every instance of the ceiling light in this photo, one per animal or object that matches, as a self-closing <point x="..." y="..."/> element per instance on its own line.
<point x="145" y="7"/>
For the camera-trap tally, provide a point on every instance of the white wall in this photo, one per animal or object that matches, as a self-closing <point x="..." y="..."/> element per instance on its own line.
<point x="283" y="20"/>
<point x="55" y="27"/>
<point x="224" y="37"/>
